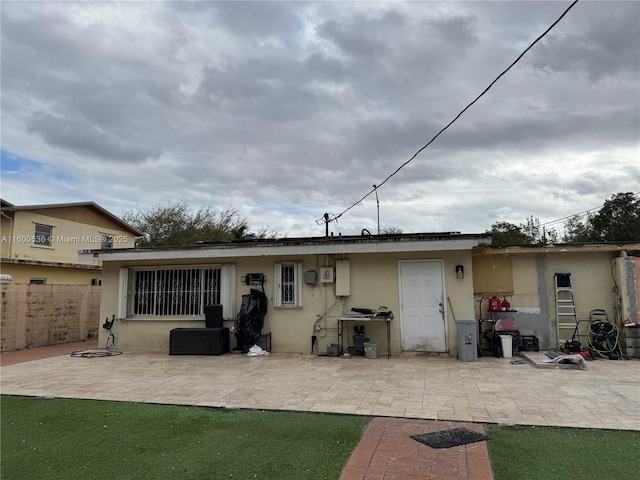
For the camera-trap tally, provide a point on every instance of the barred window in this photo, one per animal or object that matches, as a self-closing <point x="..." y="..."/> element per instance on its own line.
<point x="172" y="291"/>
<point x="288" y="284"/>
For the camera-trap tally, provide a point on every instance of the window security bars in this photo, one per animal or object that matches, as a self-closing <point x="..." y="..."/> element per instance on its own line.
<point x="173" y="291"/>
<point x="288" y="285"/>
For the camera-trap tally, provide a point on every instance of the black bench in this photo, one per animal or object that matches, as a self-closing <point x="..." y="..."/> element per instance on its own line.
<point x="211" y="340"/>
<point x="199" y="341"/>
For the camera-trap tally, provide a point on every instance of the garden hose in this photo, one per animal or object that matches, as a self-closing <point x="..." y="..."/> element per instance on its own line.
<point x="604" y="338"/>
<point x="108" y="351"/>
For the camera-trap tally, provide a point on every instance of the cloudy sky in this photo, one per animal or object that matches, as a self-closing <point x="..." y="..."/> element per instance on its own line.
<point x="287" y="110"/>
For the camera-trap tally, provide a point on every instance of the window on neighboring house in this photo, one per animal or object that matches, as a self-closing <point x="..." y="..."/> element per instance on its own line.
<point x="106" y="241"/>
<point x="288" y="284"/>
<point x="178" y="291"/>
<point x="37" y="281"/>
<point x="43" y="235"/>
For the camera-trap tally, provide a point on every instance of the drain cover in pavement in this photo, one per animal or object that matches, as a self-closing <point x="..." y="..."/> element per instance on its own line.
<point x="450" y="438"/>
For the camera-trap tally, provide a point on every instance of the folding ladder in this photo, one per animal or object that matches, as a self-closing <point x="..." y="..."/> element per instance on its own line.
<point x="566" y="316"/>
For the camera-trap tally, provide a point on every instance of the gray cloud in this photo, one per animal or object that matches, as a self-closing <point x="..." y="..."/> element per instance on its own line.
<point x="85" y="139"/>
<point x="602" y="50"/>
<point x="287" y="110"/>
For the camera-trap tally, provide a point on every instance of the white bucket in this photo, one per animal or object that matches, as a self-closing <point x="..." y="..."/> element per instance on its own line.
<point x="507" y="345"/>
<point x="370" y="350"/>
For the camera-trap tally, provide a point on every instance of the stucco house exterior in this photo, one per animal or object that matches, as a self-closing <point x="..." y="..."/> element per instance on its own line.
<point x="603" y="277"/>
<point x="310" y="283"/>
<point x="48" y="295"/>
<point x="428" y="281"/>
<point x="39" y="244"/>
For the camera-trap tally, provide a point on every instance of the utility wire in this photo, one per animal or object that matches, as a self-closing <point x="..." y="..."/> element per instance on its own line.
<point x="580" y="214"/>
<point x="335" y="217"/>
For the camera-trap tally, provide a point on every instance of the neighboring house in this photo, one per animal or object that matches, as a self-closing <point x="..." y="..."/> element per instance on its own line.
<point x="48" y="295"/>
<point x="39" y="244"/>
<point x="428" y="281"/>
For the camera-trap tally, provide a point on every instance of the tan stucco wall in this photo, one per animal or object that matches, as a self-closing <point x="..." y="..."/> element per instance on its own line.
<point x="52" y="275"/>
<point x="525" y="284"/>
<point x="374" y="282"/>
<point x="591" y="279"/>
<point x="67" y="238"/>
<point x="493" y="274"/>
<point x="531" y="289"/>
<point x="5" y="231"/>
<point x="37" y="315"/>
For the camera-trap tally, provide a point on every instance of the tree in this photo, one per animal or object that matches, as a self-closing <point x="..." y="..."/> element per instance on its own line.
<point x="530" y="233"/>
<point x="177" y="225"/>
<point x="395" y="230"/>
<point x="617" y="221"/>
<point x="538" y="235"/>
<point x="576" y="230"/>
<point x="504" y="234"/>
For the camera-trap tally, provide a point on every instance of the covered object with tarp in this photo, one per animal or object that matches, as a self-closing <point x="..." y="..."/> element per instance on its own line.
<point x="250" y="320"/>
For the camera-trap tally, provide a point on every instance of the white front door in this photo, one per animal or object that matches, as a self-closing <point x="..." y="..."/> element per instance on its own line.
<point x="422" y="318"/>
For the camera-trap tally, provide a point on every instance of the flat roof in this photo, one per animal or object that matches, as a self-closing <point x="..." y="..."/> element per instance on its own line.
<point x="300" y="246"/>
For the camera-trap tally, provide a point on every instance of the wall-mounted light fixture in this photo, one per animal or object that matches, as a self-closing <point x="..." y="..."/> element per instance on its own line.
<point x="459" y="272"/>
<point x="254" y="279"/>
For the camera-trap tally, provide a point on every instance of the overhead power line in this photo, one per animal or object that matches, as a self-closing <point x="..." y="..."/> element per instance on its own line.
<point x="335" y="217"/>
<point x="579" y="214"/>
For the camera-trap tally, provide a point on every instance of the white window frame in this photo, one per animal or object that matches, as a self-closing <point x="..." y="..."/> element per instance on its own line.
<point x="280" y="285"/>
<point x="226" y="291"/>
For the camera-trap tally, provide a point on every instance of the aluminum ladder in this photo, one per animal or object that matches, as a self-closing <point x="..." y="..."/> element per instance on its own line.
<point x="566" y="315"/>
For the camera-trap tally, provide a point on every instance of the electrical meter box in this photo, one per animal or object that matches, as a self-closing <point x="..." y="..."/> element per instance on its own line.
<point x="326" y="274"/>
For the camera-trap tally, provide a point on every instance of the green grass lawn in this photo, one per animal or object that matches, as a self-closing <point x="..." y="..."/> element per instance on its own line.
<point x="536" y="453"/>
<point x="66" y="439"/>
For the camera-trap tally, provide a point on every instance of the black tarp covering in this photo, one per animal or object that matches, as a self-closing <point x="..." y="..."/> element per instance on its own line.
<point x="250" y="319"/>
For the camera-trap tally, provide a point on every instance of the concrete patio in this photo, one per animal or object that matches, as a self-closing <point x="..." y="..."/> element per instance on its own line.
<point x="492" y="390"/>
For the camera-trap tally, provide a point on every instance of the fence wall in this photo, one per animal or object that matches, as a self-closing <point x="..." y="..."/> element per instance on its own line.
<point x="39" y="315"/>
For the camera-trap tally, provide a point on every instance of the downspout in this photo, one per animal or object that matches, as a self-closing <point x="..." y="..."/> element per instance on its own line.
<point x="10" y="233"/>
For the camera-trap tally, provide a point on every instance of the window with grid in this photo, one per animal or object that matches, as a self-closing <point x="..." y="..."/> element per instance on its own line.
<point x="176" y="291"/>
<point x="288" y="285"/>
<point x="42" y="235"/>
